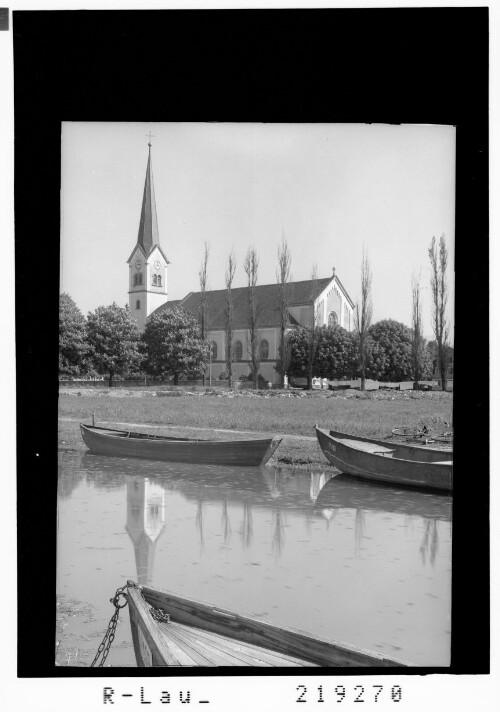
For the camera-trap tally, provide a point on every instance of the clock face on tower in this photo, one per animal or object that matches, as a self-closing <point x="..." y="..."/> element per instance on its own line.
<point x="138" y="264"/>
<point x="157" y="264"/>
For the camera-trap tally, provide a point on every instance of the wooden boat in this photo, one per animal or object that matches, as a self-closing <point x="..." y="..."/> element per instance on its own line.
<point x="202" y="635"/>
<point x="402" y="450"/>
<point x="385" y="462"/>
<point x="121" y="443"/>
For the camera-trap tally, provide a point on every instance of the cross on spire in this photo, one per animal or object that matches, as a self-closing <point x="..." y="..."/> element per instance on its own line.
<point x="150" y="136"/>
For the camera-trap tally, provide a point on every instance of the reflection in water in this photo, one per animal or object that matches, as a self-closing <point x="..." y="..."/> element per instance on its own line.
<point x="145" y="522"/>
<point x="359" y="530"/>
<point x="430" y="543"/>
<point x="363" y="564"/>
<point x="199" y="517"/>
<point x="278" y="532"/>
<point x="247" y="528"/>
<point x="226" y="524"/>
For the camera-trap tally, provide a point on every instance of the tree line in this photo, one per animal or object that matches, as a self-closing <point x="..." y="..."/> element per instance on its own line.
<point x="175" y="344"/>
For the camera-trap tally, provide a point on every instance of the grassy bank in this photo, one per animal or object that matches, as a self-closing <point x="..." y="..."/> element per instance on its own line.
<point x="290" y="415"/>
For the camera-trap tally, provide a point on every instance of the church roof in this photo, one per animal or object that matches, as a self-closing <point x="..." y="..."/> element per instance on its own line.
<point x="267" y="295"/>
<point x="148" y="226"/>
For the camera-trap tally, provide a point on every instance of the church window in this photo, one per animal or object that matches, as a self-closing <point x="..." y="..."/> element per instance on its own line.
<point x="333" y="319"/>
<point x="213" y="350"/>
<point x="154" y="280"/>
<point x="137" y="279"/>
<point x="264" y="349"/>
<point x="238" y="350"/>
<point x="159" y="280"/>
<point x="138" y="304"/>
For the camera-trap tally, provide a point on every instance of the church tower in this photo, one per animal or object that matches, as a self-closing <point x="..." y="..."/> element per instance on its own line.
<point x="147" y="263"/>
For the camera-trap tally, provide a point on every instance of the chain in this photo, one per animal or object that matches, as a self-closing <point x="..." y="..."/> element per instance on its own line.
<point x="109" y="636"/>
<point x="157" y="613"/>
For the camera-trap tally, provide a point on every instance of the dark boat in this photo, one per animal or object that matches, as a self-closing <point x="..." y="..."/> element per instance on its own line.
<point x="385" y="462"/>
<point x="121" y="443"/>
<point x="202" y="635"/>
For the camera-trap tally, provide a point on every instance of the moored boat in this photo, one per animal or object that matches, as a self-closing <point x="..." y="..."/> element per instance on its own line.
<point x="122" y="443"/>
<point x="403" y="451"/>
<point x="385" y="462"/>
<point x="169" y="630"/>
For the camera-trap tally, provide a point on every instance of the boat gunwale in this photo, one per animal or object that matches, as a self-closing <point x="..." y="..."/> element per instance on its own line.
<point x="395" y="445"/>
<point x="145" y="437"/>
<point x="279" y="639"/>
<point x="383" y="456"/>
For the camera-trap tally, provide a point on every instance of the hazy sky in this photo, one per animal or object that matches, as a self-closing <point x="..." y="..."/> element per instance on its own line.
<point x="333" y="188"/>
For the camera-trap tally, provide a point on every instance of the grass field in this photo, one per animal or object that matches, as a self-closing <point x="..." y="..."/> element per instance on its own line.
<point x="372" y="415"/>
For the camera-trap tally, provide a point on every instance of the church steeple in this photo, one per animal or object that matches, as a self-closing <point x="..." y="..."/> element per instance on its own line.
<point x="148" y="226"/>
<point x="147" y="263"/>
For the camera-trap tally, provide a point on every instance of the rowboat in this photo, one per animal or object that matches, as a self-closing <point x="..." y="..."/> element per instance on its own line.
<point x="168" y="630"/>
<point x="374" y="460"/>
<point x="121" y="443"/>
<point x="403" y="451"/>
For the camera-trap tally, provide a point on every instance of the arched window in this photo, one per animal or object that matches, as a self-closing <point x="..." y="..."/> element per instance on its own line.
<point x="154" y="280"/>
<point x="138" y="304"/>
<point x="238" y="350"/>
<point x="137" y="279"/>
<point x="159" y="280"/>
<point x="213" y="350"/>
<point x="333" y="319"/>
<point x="264" y="349"/>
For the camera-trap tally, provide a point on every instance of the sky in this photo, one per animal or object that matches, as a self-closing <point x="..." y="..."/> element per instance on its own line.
<point x="331" y="189"/>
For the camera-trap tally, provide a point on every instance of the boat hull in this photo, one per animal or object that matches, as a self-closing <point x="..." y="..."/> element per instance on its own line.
<point x="117" y="443"/>
<point x="191" y="638"/>
<point x="347" y="455"/>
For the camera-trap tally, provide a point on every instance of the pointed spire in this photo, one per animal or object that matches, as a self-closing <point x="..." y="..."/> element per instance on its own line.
<point x="148" y="227"/>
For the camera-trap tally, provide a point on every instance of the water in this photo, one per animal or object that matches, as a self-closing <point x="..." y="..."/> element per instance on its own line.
<point x="361" y="564"/>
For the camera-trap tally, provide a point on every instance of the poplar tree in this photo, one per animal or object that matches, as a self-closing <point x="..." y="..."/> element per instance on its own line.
<point x="230" y="270"/>
<point x="438" y="255"/>
<point x="251" y="267"/>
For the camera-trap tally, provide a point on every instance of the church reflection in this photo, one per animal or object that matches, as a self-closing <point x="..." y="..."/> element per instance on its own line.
<point x="316" y="497"/>
<point x="145" y="522"/>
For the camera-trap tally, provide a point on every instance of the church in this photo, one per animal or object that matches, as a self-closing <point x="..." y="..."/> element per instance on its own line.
<point x="325" y="298"/>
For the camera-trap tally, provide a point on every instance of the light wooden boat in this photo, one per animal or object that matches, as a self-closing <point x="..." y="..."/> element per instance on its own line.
<point x="380" y="462"/>
<point x="202" y="635"/>
<point x="121" y="443"/>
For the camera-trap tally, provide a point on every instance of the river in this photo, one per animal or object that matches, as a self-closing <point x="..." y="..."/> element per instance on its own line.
<point x="354" y="562"/>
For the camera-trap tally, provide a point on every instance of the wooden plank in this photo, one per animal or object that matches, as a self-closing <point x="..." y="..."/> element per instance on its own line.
<point x="226" y="651"/>
<point x="283" y="640"/>
<point x="211" y="648"/>
<point x="224" y="642"/>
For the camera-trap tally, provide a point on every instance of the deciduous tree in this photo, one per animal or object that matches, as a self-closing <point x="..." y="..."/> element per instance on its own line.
<point x="335" y="353"/>
<point x="363" y="317"/>
<point x="285" y="295"/>
<point x="251" y="267"/>
<point x="74" y="350"/>
<point x="418" y="342"/>
<point x="312" y="329"/>
<point x="203" y="297"/>
<point x="438" y="256"/>
<point x="114" y="337"/>
<point x="173" y="345"/>
<point x="230" y="270"/>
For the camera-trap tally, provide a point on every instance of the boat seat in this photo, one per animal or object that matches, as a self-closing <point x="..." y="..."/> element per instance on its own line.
<point x="367" y="447"/>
